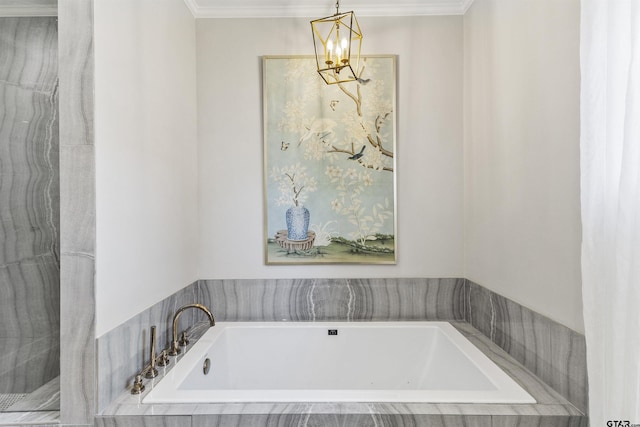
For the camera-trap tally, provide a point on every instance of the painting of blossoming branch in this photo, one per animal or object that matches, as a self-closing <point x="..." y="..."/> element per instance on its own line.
<point x="329" y="153"/>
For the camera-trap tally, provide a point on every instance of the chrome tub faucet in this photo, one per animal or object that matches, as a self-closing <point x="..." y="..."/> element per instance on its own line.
<point x="175" y="346"/>
<point x="150" y="371"/>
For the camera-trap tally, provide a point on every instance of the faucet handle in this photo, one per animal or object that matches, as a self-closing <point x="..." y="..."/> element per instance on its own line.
<point x="183" y="339"/>
<point x="138" y="387"/>
<point x="163" y="359"/>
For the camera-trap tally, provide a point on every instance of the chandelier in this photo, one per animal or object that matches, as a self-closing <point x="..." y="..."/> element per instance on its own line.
<point x="337" y="40"/>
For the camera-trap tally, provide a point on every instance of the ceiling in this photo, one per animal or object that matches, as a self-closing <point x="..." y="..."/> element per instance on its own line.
<point x="273" y="8"/>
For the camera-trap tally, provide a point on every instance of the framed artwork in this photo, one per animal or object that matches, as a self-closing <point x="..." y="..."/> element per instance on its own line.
<point x="329" y="163"/>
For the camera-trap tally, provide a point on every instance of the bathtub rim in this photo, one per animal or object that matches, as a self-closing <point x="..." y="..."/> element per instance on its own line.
<point x="509" y="390"/>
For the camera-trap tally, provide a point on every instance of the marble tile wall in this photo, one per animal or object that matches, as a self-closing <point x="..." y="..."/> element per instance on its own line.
<point x="29" y="203"/>
<point x="46" y="398"/>
<point x="27" y="363"/>
<point x="334" y="299"/>
<point x="386" y="420"/>
<point x="550" y="350"/>
<point x="551" y="409"/>
<point x="124" y="351"/>
<point x="148" y="421"/>
<point x="343" y="420"/>
<point x="39" y="419"/>
<point x="543" y="346"/>
<point x="347" y="420"/>
<point x="77" y="213"/>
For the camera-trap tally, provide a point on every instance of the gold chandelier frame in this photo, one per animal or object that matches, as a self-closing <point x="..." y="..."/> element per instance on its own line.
<point x="337" y="40"/>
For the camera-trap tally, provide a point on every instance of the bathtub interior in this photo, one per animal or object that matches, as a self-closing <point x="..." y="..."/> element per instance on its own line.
<point x="325" y="361"/>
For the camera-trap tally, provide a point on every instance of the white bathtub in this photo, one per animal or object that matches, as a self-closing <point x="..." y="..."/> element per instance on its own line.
<point x="365" y="362"/>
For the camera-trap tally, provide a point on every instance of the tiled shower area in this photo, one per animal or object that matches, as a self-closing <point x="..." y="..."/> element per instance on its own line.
<point x="29" y="214"/>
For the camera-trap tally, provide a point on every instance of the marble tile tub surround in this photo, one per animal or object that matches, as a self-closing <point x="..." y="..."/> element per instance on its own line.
<point x="562" y="365"/>
<point x="550" y="350"/>
<point x="334" y="299"/>
<point x="343" y="420"/>
<point x="551" y="409"/>
<point x="124" y="351"/>
<point x="29" y="203"/>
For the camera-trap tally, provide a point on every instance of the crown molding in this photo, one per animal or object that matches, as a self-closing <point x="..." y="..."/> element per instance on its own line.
<point x="28" y="10"/>
<point x="466" y="4"/>
<point x="244" y="9"/>
<point x="192" y="6"/>
<point x="248" y="9"/>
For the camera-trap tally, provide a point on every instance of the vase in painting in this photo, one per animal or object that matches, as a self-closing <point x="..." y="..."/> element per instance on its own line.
<point x="297" y="223"/>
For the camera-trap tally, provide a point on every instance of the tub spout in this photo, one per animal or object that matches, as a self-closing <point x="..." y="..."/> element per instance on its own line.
<point x="175" y="348"/>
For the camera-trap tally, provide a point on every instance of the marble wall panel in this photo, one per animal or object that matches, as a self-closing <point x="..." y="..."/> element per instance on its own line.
<point x="29" y="201"/>
<point x="145" y="421"/>
<point x="45" y="398"/>
<point x="29" y="174"/>
<point x="28" y="53"/>
<point x="77" y="212"/>
<point x="77" y="335"/>
<point x="29" y="297"/>
<point x="550" y="350"/>
<point x="334" y="299"/>
<point x="538" y="421"/>
<point x="39" y="419"/>
<point x="570" y="376"/>
<point x="28" y="363"/>
<point x="124" y="351"/>
<point x="342" y="420"/>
